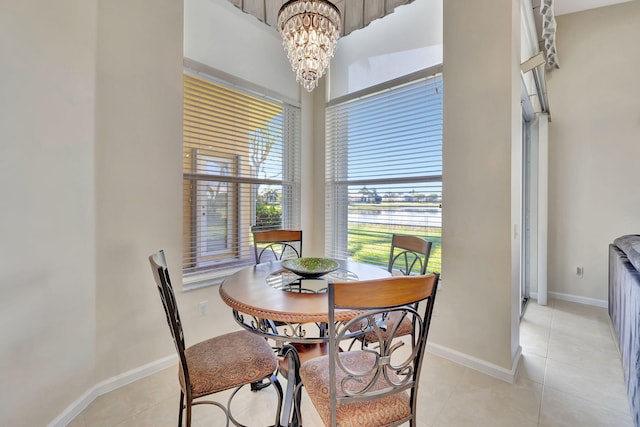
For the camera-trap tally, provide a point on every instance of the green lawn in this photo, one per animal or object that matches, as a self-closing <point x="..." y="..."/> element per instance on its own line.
<point x="371" y="243"/>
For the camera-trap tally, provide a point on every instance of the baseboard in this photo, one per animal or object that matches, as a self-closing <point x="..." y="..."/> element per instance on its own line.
<point x="108" y="385"/>
<point x="478" y="364"/>
<point x="575" y="298"/>
<point x="128" y="377"/>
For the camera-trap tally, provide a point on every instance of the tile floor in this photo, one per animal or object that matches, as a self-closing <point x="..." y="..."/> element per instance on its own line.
<point x="569" y="375"/>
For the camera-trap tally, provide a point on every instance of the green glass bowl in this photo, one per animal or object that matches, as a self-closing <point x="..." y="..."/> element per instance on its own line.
<point x="310" y="267"/>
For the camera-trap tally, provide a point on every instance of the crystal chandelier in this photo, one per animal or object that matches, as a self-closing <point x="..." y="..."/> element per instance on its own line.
<point x="310" y="30"/>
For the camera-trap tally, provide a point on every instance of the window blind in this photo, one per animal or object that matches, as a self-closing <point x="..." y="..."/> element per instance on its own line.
<point x="241" y="172"/>
<point x="384" y="171"/>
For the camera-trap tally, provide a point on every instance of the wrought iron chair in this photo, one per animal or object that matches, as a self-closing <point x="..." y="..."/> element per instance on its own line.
<point x="409" y="255"/>
<point x="272" y="245"/>
<point x="372" y="386"/>
<point x="221" y="363"/>
<point x="280" y="245"/>
<point x="277" y="245"/>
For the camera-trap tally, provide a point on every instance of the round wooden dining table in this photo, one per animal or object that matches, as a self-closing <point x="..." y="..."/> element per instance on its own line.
<point x="274" y="302"/>
<point x="269" y="291"/>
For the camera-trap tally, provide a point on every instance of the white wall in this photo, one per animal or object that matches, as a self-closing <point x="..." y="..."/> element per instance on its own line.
<point x="407" y="40"/>
<point x="91" y="131"/>
<point x="138" y="176"/>
<point x="594" y="145"/>
<point x="476" y="314"/>
<point x="222" y="36"/>
<point x="47" y="143"/>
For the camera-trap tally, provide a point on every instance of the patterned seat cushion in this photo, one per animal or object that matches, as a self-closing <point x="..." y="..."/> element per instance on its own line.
<point x="378" y="412"/>
<point x="228" y="361"/>
<point x="404" y="328"/>
<point x="393" y="318"/>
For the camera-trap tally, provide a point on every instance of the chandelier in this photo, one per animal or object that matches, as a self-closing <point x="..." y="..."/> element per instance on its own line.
<point x="310" y="30"/>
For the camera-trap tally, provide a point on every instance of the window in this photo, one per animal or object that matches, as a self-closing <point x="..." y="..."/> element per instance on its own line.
<point x="384" y="170"/>
<point x="240" y="173"/>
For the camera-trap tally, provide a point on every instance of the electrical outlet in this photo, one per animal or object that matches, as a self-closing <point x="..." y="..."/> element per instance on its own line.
<point x="579" y="272"/>
<point x="204" y="307"/>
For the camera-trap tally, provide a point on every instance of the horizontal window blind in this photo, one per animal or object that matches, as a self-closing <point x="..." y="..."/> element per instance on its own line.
<point x="384" y="171"/>
<point x="241" y="172"/>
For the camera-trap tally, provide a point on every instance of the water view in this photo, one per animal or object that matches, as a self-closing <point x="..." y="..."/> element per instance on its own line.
<point x="394" y="215"/>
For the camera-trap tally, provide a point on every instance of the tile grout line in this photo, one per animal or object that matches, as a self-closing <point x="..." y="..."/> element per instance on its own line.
<point x="546" y="364"/>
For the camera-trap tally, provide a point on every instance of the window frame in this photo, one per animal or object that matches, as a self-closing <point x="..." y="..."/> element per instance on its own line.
<point x="338" y="182"/>
<point x="241" y="210"/>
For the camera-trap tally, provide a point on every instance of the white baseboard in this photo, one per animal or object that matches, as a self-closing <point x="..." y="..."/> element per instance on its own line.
<point x="575" y="298"/>
<point x="455" y="356"/>
<point x="478" y="364"/>
<point x="128" y="377"/>
<point x="108" y="385"/>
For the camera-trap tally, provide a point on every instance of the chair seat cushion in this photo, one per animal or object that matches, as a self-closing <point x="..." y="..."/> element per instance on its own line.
<point x="405" y="327"/>
<point x="228" y="361"/>
<point x="378" y="412"/>
<point x="393" y="318"/>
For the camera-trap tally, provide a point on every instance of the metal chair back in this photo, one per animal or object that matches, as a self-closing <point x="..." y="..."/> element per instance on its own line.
<point x="167" y="296"/>
<point x="392" y="367"/>
<point x="272" y="245"/>
<point x="409" y="254"/>
<point x="211" y="357"/>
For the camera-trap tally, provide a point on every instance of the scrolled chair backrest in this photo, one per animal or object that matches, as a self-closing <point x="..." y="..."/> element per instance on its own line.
<point x="392" y="366"/>
<point x="409" y="254"/>
<point x="271" y="245"/>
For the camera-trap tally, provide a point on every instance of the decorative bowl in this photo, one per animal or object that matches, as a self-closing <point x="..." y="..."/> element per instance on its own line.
<point x="310" y="267"/>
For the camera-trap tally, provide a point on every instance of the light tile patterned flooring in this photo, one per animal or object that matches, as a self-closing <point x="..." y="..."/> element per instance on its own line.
<point x="570" y="375"/>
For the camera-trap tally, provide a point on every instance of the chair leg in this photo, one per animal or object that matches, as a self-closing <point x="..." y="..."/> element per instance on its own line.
<point x="276" y="385"/>
<point x="296" y="419"/>
<point x="291" y="413"/>
<point x="181" y="409"/>
<point x="188" y="412"/>
<point x="297" y="415"/>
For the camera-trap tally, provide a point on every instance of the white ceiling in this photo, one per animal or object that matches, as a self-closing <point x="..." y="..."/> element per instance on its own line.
<point x="562" y="7"/>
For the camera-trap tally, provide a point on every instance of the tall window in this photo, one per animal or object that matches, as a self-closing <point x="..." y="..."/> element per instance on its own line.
<point x="384" y="170"/>
<point x="241" y="172"/>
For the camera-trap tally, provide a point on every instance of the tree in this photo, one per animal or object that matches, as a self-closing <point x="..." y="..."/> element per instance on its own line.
<point x="261" y="141"/>
<point x="364" y="191"/>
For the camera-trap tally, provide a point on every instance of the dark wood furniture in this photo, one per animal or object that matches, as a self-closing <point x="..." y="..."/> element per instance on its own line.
<point x="409" y="254"/>
<point x="213" y="365"/>
<point x="277" y="245"/>
<point x="258" y="298"/>
<point x="378" y="385"/>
